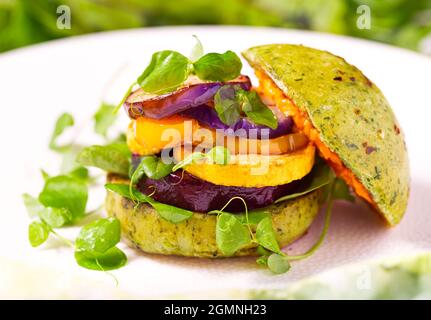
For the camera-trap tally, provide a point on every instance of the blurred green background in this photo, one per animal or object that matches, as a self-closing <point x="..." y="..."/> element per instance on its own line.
<point x="403" y="23"/>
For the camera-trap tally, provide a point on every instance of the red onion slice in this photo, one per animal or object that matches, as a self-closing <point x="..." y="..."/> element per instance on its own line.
<point x="193" y="93"/>
<point x="208" y="117"/>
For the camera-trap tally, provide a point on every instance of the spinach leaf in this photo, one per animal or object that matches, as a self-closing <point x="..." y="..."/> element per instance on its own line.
<point x="38" y="233"/>
<point x="63" y="122"/>
<point x="265" y="235"/>
<point x="99" y="236"/>
<point x="111" y="259"/>
<point x="104" y="118"/>
<point x="218" y="66"/>
<point x="169" y="213"/>
<point x="65" y="192"/>
<point x="231" y="234"/>
<point x="166" y="71"/>
<point x="256" y="110"/>
<point x="227" y="106"/>
<point x="113" y="158"/>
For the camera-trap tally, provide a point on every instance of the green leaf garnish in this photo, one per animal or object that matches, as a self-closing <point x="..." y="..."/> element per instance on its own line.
<point x="152" y="167"/>
<point x="64" y="192"/>
<point x="197" y="50"/>
<point x="256" y="110"/>
<point x="342" y="191"/>
<point x="227" y="106"/>
<point x="104" y="118"/>
<point x="254" y="217"/>
<point x="113" y="158"/>
<point x="38" y="233"/>
<point x="218" y="66"/>
<point x="169" y="213"/>
<point x="99" y="236"/>
<point x="217" y="155"/>
<point x="322" y="175"/>
<point x="231" y="101"/>
<point x="80" y="173"/>
<point x="33" y="206"/>
<point x="63" y="122"/>
<point x="278" y="263"/>
<point x="55" y="217"/>
<point x="265" y="235"/>
<point x="231" y="234"/>
<point x="112" y="259"/>
<point x="95" y="245"/>
<point x="166" y="71"/>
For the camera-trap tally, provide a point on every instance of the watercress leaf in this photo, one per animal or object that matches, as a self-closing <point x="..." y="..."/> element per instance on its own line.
<point x="33" y="206"/>
<point x="65" y="192"/>
<point x="263" y="252"/>
<point x="342" y="191"/>
<point x="130" y="193"/>
<point x="62" y="123"/>
<point x="99" y="236"/>
<point x="38" y="233"/>
<point x="195" y="156"/>
<point x="68" y="161"/>
<point x="227" y="106"/>
<point x="231" y="234"/>
<point x="166" y="71"/>
<point x="170" y="213"/>
<point x="197" y="50"/>
<point x="55" y="217"/>
<point x="218" y="66"/>
<point x="321" y="176"/>
<point x="278" y="263"/>
<point x="80" y="173"/>
<point x="265" y="235"/>
<point x="153" y="167"/>
<point x="254" y="217"/>
<point x="263" y="260"/>
<point x="219" y="155"/>
<point x="125" y="96"/>
<point x="111" y="158"/>
<point x="167" y="212"/>
<point x="256" y="110"/>
<point x="104" y="118"/>
<point x="112" y="259"/>
<point x="45" y="175"/>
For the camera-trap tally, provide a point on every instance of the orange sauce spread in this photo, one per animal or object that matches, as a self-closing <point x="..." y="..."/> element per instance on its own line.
<point x="268" y="88"/>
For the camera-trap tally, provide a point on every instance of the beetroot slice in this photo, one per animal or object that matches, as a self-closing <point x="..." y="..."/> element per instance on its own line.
<point x="193" y="93"/>
<point x="183" y="190"/>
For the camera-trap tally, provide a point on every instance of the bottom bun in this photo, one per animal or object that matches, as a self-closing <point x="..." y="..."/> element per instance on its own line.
<point x="143" y="228"/>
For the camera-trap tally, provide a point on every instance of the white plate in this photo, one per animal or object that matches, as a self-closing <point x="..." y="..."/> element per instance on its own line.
<point x="40" y="82"/>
